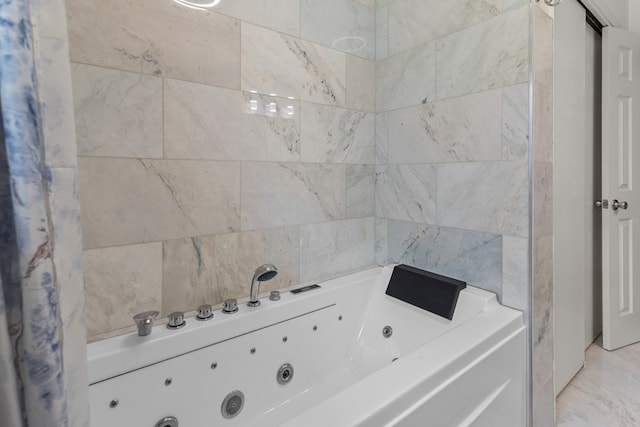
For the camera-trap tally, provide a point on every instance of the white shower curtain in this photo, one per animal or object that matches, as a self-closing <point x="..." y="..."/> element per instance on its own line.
<point x="32" y="386"/>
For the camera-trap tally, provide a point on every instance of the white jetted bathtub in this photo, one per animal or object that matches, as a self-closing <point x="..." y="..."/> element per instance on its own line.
<point x="320" y="358"/>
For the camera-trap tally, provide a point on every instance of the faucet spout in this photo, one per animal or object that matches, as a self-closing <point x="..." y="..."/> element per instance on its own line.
<point x="262" y="274"/>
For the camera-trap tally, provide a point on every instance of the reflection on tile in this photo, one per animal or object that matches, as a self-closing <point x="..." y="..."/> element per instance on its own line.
<point x="275" y="194"/>
<point x="132" y="36"/>
<point x="487" y="196"/>
<point x="459" y="129"/>
<point x="413" y="22"/>
<point x="361" y="82"/>
<point x="406" y="79"/>
<point x="210" y="269"/>
<point x="120" y="282"/>
<point x="342" y="24"/>
<point x="279" y="15"/>
<point x="466" y="255"/>
<point x="498" y="49"/>
<point x="118" y="114"/>
<point x="406" y="192"/>
<point x="205" y="122"/>
<point x="515" y="122"/>
<point x="286" y="66"/>
<point x="515" y="272"/>
<point x="361" y="183"/>
<point x="336" y="135"/>
<point x="333" y="248"/>
<point x="131" y="201"/>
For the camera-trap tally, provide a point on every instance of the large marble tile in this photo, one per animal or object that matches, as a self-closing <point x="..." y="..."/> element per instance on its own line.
<point x="406" y="79"/>
<point x="361" y="84"/>
<point x="406" y="192"/>
<point x="210" y="269"/>
<point x="515" y="272"/>
<point x="382" y="33"/>
<point x="459" y="129"/>
<point x="567" y="417"/>
<point x="604" y="392"/>
<point x="484" y="196"/>
<point x="542" y="198"/>
<point x="383" y="3"/>
<point x="511" y="4"/>
<point x="132" y="201"/>
<point x="382" y="241"/>
<point x="515" y="122"/>
<point x="275" y="194"/>
<point x="542" y="41"/>
<point x="490" y="54"/>
<point x="542" y="332"/>
<point x="274" y="63"/>
<point x="120" y="282"/>
<point x="278" y="15"/>
<point x="361" y="188"/>
<point x="56" y="102"/>
<point x="332" y="248"/>
<point x="543" y="117"/>
<point x="382" y="138"/>
<point x="413" y="22"/>
<point x="466" y="255"/>
<point x="117" y="113"/>
<point x="206" y="122"/>
<point x="159" y="38"/>
<point x="342" y="24"/>
<point x="336" y="135"/>
<point x="595" y="407"/>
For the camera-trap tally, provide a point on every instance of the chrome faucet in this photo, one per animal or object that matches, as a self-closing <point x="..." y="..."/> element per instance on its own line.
<point x="263" y="273"/>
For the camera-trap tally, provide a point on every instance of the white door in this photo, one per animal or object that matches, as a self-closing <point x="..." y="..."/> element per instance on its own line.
<point x="570" y="203"/>
<point x="620" y="187"/>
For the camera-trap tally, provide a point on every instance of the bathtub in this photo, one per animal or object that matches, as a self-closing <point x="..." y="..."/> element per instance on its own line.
<point x="342" y="354"/>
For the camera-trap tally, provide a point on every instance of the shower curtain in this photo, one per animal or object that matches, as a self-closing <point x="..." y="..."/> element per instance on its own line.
<point x="32" y="386"/>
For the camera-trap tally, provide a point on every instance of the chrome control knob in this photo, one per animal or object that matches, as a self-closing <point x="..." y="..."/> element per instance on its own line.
<point x="176" y="320"/>
<point x="144" y="322"/>
<point x="274" y="296"/>
<point x="230" y="306"/>
<point x="205" y="312"/>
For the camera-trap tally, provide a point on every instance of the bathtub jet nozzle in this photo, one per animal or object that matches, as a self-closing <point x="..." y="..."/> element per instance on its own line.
<point x="262" y="274"/>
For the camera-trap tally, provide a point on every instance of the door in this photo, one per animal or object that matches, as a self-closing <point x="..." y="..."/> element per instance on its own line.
<point x="570" y="202"/>
<point x="620" y="188"/>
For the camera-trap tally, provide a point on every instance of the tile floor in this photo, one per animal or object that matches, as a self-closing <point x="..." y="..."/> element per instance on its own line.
<point x="606" y="393"/>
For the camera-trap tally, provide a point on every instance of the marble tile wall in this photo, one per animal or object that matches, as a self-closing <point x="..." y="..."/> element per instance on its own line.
<point x="452" y="126"/>
<point x="454" y="154"/>
<point x="211" y="142"/>
<point x="543" y="410"/>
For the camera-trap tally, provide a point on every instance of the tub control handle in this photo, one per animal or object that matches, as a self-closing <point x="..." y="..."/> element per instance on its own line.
<point x="144" y="322"/>
<point x="205" y="312"/>
<point x="176" y="320"/>
<point x="230" y="306"/>
<point x="274" y="296"/>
